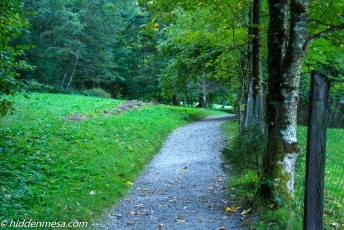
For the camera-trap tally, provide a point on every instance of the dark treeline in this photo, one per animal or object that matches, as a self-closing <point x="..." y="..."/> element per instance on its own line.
<point x="91" y="44"/>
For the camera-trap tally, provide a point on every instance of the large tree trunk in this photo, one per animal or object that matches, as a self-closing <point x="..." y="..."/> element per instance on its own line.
<point x="285" y="58"/>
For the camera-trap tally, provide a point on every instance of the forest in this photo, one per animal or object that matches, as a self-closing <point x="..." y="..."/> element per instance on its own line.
<point x="252" y="58"/>
<point x="145" y="50"/>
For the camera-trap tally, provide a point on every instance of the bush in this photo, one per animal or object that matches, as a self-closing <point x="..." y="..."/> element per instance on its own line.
<point x="244" y="153"/>
<point x="35" y="86"/>
<point x="97" y="92"/>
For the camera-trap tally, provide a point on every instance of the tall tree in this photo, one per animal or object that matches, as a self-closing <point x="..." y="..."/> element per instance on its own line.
<point x="13" y="23"/>
<point x="75" y="40"/>
<point x="286" y="52"/>
<point x="257" y="64"/>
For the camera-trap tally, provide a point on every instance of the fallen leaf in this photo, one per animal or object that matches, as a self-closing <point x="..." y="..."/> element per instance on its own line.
<point x="246" y="222"/>
<point x="153" y="192"/>
<point x="231" y="209"/>
<point x="245" y="212"/>
<point x="130" y="223"/>
<point x="134" y="212"/>
<point x="182" y="171"/>
<point x="68" y="207"/>
<point x="129" y="182"/>
<point x="336" y="225"/>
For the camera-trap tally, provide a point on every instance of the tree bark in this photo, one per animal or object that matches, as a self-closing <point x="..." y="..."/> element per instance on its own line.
<point x="72" y="75"/>
<point x="175" y="100"/>
<point x="248" y="111"/>
<point x="256" y="65"/>
<point x="285" y="58"/>
<point x="203" y="96"/>
<point x="65" y="72"/>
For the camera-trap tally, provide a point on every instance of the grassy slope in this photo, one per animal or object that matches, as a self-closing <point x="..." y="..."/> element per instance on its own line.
<point x="244" y="181"/>
<point x="56" y="170"/>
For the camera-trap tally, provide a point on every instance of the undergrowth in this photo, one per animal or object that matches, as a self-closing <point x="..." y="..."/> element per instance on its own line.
<point x="56" y="170"/>
<point x="240" y="159"/>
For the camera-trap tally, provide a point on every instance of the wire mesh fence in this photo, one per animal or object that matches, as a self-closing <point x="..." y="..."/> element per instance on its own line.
<point x="332" y="190"/>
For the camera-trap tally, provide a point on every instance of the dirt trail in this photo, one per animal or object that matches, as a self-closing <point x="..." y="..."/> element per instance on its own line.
<point x="183" y="187"/>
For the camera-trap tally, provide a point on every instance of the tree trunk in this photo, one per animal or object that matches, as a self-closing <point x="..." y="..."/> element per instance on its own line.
<point x="284" y="66"/>
<point x="201" y="102"/>
<point x="243" y="92"/>
<point x="72" y="75"/>
<point x="175" y="100"/>
<point x="210" y="101"/>
<point x="256" y="66"/>
<point x="65" y="72"/>
<point x="203" y="96"/>
<point x="241" y="108"/>
<point x="248" y="116"/>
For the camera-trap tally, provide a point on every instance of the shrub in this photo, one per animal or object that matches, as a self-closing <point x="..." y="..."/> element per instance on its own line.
<point x="97" y="92"/>
<point x="35" y="86"/>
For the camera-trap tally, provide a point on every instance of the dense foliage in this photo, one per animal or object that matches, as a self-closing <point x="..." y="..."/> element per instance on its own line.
<point x="13" y="23"/>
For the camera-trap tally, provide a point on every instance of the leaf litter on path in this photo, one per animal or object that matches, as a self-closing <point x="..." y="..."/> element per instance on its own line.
<point x="183" y="187"/>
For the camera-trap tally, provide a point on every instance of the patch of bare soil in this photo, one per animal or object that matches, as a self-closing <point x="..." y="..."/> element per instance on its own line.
<point x="124" y="107"/>
<point x="76" y="117"/>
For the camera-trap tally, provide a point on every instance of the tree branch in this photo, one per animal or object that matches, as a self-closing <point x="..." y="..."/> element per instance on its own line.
<point x="325" y="32"/>
<point x="320" y="22"/>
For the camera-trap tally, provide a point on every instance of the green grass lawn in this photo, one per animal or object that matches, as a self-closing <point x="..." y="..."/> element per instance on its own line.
<point x="55" y="170"/>
<point x="290" y="216"/>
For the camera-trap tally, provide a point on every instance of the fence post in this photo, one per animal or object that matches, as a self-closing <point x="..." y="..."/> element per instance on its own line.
<point x="316" y="148"/>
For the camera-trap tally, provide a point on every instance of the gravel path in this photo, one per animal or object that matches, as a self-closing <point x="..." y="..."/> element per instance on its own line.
<point x="183" y="187"/>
